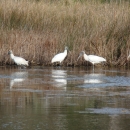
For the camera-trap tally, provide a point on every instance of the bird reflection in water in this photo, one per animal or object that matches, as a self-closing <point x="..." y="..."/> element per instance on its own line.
<point x="94" y="78"/>
<point x="18" y="77"/>
<point x="93" y="81"/>
<point x="59" y="78"/>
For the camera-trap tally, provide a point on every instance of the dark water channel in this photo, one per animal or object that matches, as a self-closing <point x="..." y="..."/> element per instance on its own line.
<point x="48" y="98"/>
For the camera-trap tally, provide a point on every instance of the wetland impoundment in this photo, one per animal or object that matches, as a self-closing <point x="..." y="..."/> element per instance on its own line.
<point x="64" y="98"/>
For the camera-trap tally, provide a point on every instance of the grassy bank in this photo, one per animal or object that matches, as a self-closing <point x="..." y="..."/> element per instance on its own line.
<point x="38" y="29"/>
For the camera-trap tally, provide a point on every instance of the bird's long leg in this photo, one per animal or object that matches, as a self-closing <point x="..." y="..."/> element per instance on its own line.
<point x="19" y="67"/>
<point x="22" y="67"/>
<point x="93" y="68"/>
<point x="60" y="64"/>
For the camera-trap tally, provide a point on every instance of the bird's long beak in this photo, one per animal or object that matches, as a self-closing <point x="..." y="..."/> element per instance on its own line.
<point x="78" y="58"/>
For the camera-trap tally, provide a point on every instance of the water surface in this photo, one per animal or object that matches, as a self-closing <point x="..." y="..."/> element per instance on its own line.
<point x="61" y="98"/>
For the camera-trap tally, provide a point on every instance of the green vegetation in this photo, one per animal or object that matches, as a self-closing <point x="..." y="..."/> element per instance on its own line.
<point x="38" y="29"/>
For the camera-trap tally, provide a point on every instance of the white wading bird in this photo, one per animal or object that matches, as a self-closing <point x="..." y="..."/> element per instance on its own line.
<point x="92" y="58"/>
<point x="18" y="60"/>
<point x="60" y="57"/>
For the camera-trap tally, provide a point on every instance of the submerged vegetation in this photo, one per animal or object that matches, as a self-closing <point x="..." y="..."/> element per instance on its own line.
<point x="38" y="29"/>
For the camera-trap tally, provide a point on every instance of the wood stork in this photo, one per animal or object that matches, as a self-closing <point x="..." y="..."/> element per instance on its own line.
<point x="18" y="60"/>
<point x="92" y="58"/>
<point x="60" y="57"/>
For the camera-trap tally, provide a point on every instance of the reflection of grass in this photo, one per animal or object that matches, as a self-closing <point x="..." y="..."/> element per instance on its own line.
<point x="37" y="29"/>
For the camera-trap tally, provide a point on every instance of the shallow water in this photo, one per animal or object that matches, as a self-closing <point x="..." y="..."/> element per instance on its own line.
<point x="58" y="98"/>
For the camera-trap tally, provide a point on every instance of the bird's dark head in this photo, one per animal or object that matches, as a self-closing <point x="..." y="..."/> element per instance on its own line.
<point x="80" y="54"/>
<point x="66" y="48"/>
<point x="10" y="52"/>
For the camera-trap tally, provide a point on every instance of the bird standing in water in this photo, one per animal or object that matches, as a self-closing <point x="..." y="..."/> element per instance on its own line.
<point x="92" y="58"/>
<point x="18" y="60"/>
<point x="60" y="57"/>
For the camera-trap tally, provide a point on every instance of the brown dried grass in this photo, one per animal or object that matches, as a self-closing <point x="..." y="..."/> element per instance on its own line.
<point x="39" y="30"/>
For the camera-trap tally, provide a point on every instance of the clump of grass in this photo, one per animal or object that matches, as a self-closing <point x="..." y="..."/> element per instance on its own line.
<point x="38" y="29"/>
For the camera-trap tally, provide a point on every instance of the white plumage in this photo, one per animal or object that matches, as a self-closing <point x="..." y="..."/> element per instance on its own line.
<point x="92" y="58"/>
<point x="18" y="60"/>
<point x="60" y="57"/>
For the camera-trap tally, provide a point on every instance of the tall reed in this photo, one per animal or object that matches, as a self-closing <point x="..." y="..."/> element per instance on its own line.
<point x="38" y="29"/>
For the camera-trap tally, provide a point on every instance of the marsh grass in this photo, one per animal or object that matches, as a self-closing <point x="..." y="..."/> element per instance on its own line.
<point x="38" y="29"/>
